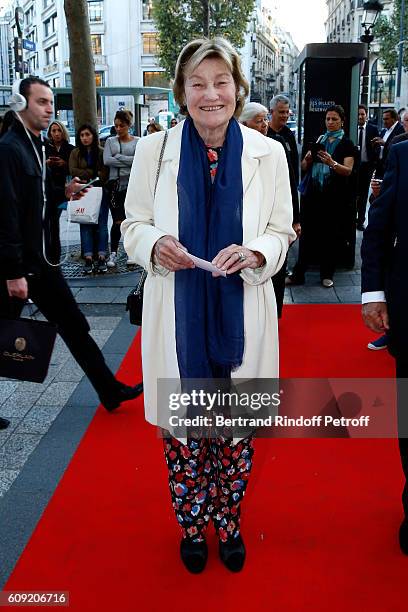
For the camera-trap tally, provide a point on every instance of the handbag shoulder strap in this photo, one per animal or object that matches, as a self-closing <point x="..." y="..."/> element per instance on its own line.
<point x="160" y="161"/>
<point x="120" y="151"/>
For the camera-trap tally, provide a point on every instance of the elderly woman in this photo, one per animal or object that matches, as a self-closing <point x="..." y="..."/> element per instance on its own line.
<point x="328" y="201"/>
<point x="222" y="195"/>
<point x="255" y="116"/>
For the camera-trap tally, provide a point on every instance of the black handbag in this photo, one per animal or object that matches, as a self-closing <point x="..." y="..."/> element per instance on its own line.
<point x="25" y="348"/>
<point x="134" y="302"/>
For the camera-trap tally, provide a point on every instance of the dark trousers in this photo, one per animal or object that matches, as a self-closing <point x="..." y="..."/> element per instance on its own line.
<point x="321" y="235"/>
<point x="364" y="177"/>
<point x="208" y="479"/>
<point x="402" y="392"/>
<point x="52" y="296"/>
<point x="278" y="281"/>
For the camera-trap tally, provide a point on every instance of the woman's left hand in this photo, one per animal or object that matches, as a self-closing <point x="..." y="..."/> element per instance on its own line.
<point x="325" y="158"/>
<point x="235" y="258"/>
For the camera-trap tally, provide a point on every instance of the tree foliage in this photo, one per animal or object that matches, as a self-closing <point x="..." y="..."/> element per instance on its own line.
<point x="179" y="22"/>
<point x="387" y="32"/>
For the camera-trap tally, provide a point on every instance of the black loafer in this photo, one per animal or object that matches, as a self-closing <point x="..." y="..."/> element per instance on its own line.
<point x="4" y="423"/>
<point x="194" y="555"/>
<point x="123" y="394"/>
<point x="403" y="536"/>
<point x="232" y="554"/>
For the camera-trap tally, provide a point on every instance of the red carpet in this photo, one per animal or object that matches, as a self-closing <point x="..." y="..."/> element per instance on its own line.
<point x="320" y="518"/>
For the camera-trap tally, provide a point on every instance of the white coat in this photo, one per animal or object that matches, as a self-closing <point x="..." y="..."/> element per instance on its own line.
<point x="267" y="228"/>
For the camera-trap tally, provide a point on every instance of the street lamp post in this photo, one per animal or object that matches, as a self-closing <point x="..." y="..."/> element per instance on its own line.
<point x="380" y="89"/>
<point x="372" y="9"/>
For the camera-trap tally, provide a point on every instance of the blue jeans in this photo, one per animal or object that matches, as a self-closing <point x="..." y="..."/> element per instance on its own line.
<point x="95" y="237"/>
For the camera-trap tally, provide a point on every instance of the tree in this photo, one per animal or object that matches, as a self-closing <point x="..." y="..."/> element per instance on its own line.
<point x="387" y="31"/>
<point x="81" y="62"/>
<point x="179" y="22"/>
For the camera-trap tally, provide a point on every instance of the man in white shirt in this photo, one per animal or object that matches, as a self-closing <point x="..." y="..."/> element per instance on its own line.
<point x="366" y="134"/>
<point x="384" y="253"/>
<point x="392" y="127"/>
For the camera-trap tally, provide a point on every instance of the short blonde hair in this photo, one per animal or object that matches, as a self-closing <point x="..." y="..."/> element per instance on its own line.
<point x="64" y="130"/>
<point x="198" y="50"/>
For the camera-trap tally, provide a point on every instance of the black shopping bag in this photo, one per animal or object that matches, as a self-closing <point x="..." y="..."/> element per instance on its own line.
<point x="25" y="348"/>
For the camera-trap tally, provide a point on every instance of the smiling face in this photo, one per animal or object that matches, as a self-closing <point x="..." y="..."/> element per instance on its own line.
<point x="211" y="95"/>
<point x="333" y="121"/>
<point x="258" y="122"/>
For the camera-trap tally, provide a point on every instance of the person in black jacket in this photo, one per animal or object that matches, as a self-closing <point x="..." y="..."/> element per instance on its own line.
<point x="326" y="204"/>
<point x="254" y="116"/>
<point x="368" y="158"/>
<point x="384" y="288"/>
<point x="25" y="266"/>
<point x="392" y="128"/>
<point x="280" y="112"/>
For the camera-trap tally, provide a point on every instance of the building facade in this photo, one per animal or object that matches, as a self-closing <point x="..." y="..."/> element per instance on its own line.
<point x="345" y="24"/>
<point x="5" y="68"/>
<point x="124" y="45"/>
<point x="260" y="55"/>
<point x="287" y="80"/>
<point x="268" y="57"/>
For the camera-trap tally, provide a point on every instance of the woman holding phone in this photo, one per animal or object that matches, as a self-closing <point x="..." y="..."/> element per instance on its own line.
<point x="86" y="162"/>
<point x="329" y="163"/>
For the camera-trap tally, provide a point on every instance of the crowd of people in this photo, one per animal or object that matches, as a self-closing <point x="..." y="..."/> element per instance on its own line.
<point x="223" y="185"/>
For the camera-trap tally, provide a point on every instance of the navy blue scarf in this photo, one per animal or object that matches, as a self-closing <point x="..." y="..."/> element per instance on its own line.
<point x="209" y="311"/>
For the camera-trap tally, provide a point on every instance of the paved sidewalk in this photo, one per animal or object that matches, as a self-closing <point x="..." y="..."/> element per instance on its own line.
<point x="49" y="420"/>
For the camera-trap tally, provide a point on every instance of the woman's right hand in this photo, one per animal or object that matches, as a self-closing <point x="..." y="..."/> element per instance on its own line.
<point x="169" y="253"/>
<point x="308" y="157"/>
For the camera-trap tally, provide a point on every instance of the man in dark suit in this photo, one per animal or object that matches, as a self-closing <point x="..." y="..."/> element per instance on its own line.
<point x="392" y="128"/>
<point x="368" y="157"/>
<point x="384" y="254"/>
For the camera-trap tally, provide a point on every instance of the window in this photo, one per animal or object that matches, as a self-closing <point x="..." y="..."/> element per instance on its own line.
<point x="47" y="3"/>
<point x="99" y="79"/>
<point x="29" y="16"/>
<point x="50" y="26"/>
<point x="95" y="9"/>
<point x="96" y="43"/>
<point x="150" y="43"/>
<point x="51" y="55"/>
<point x="155" y="79"/>
<point x="147" y="9"/>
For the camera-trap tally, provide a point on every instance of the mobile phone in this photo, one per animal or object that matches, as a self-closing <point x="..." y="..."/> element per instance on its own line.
<point x="86" y="186"/>
<point x="315" y="148"/>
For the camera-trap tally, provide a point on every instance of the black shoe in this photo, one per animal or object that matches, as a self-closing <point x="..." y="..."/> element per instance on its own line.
<point x="124" y="393"/>
<point x="88" y="267"/>
<point x="294" y="279"/>
<point x="194" y="555"/>
<point x="403" y="536"/>
<point x="101" y="267"/>
<point x="4" y="423"/>
<point x="232" y="554"/>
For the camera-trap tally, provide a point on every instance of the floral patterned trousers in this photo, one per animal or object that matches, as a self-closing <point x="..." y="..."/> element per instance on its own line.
<point x="208" y="479"/>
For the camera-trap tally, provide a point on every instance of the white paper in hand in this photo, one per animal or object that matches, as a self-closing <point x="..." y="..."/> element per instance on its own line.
<point x="205" y="265"/>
